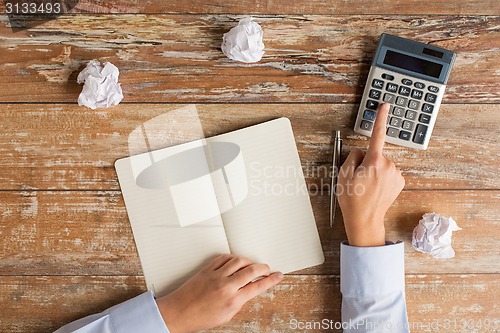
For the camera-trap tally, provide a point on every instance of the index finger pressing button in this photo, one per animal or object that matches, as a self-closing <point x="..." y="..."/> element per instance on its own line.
<point x="379" y="130"/>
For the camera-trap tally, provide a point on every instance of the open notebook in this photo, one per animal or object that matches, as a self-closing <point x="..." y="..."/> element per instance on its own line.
<point x="241" y="192"/>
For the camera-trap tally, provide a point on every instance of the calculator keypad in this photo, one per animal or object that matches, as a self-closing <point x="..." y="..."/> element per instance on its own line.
<point x="412" y="105"/>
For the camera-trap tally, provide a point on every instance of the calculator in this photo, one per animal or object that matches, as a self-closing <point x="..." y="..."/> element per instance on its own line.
<point x="411" y="77"/>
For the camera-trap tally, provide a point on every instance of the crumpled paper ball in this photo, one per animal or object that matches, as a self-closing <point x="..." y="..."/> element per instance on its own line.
<point x="433" y="235"/>
<point x="244" y="42"/>
<point x="101" y="88"/>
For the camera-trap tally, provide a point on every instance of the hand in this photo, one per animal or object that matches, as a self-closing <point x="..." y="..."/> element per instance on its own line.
<point x="367" y="187"/>
<point x="215" y="294"/>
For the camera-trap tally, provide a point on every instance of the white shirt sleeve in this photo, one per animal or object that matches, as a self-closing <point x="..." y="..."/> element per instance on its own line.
<point x="372" y="285"/>
<point x="139" y="314"/>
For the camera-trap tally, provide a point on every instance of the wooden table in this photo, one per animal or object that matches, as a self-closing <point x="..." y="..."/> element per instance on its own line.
<point x="67" y="248"/>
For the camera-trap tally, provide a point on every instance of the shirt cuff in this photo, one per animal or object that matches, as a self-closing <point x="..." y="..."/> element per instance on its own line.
<point x="371" y="271"/>
<point x="139" y="314"/>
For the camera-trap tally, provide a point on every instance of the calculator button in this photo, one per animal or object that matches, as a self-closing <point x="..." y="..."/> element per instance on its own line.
<point x="379" y="84"/>
<point x="389" y="98"/>
<point x="392" y="132"/>
<point x="372" y="105"/>
<point x="408" y="125"/>
<point x="366" y="125"/>
<point x="387" y="77"/>
<point x="398" y="111"/>
<point x="396" y="122"/>
<point x="407" y="82"/>
<point x="405" y="91"/>
<point x="375" y="94"/>
<point x="431" y="98"/>
<point x="401" y="101"/>
<point x="369" y="115"/>
<point x="419" y="85"/>
<point x="427" y="108"/>
<point x="433" y="89"/>
<point x="392" y="87"/>
<point x="412" y="115"/>
<point x="424" y="118"/>
<point x="417" y="94"/>
<point x="405" y="135"/>
<point x="420" y="132"/>
<point x="413" y="105"/>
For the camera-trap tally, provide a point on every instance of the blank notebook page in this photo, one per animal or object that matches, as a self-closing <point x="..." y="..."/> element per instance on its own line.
<point x="169" y="252"/>
<point x="274" y="224"/>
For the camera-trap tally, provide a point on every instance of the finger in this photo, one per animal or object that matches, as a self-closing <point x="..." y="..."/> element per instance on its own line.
<point x="234" y="265"/>
<point x="255" y="288"/>
<point x="250" y="273"/>
<point x="219" y="262"/>
<point x="378" y="134"/>
<point x="351" y="163"/>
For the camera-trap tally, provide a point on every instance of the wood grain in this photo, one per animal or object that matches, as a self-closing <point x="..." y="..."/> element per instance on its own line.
<point x="346" y="7"/>
<point x="42" y="304"/>
<point x="69" y="147"/>
<point x="88" y="233"/>
<point x="177" y="58"/>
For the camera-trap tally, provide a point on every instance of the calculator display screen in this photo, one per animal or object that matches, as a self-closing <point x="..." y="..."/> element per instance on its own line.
<point x="413" y="64"/>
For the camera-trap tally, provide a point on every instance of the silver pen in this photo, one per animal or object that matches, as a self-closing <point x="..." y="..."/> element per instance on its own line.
<point x="337" y="151"/>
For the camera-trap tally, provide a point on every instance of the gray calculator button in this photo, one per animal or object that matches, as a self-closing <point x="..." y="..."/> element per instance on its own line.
<point x="372" y="105"/>
<point x="398" y="111"/>
<point x="420" y="132"/>
<point x="389" y="98"/>
<point x="408" y="125"/>
<point x="405" y="91"/>
<point x="413" y="105"/>
<point x="424" y="118"/>
<point x="396" y="122"/>
<point x="403" y="135"/>
<point x="418" y="94"/>
<point x="379" y="84"/>
<point x="375" y="94"/>
<point x="391" y="87"/>
<point x="392" y="132"/>
<point x="431" y="98"/>
<point x="407" y="82"/>
<point x="366" y="125"/>
<point x="419" y="85"/>
<point x="433" y="89"/>
<point x="387" y="76"/>
<point x="369" y="115"/>
<point x="427" y="108"/>
<point x="412" y="115"/>
<point x="401" y="101"/>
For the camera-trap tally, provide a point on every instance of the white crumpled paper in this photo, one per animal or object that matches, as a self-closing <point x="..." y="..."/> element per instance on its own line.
<point x="244" y="42"/>
<point x="433" y="235"/>
<point x="101" y="88"/>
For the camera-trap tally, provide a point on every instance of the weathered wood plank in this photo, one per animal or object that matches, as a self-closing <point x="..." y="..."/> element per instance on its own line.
<point x="88" y="233"/>
<point x="55" y="233"/>
<point x="177" y="58"/>
<point x="346" y="7"/>
<point x="70" y="147"/>
<point x="42" y="304"/>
